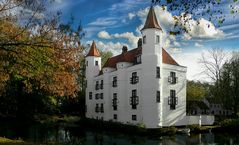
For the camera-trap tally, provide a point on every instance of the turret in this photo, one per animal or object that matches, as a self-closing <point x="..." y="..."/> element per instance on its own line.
<point x="93" y="62"/>
<point x="151" y="70"/>
<point x="152" y="35"/>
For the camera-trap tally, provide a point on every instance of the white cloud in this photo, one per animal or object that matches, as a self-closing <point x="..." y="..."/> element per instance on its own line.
<point x="131" y="15"/>
<point x="132" y="39"/>
<point x="92" y="30"/>
<point x="104" y="22"/>
<point x="196" y="31"/>
<point x="115" y="48"/>
<point x="129" y="36"/>
<point x="198" y="45"/>
<point x="104" y="35"/>
<point x="201" y="29"/>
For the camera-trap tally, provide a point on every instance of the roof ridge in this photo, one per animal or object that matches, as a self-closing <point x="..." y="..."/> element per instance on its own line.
<point x="129" y="56"/>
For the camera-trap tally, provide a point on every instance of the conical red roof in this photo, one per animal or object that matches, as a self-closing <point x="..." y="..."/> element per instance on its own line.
<point x="151" y="21"/>
<point x="93" y="50"/>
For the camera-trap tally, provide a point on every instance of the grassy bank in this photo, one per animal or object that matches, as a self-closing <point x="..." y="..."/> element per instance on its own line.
<point x="7" y="141"/>
<point x="56" y="119"/>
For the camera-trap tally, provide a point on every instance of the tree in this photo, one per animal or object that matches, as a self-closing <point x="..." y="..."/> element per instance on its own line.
<point x="39" y="59"/>
<point x="229" y="84"/>
<point x="195" y="91"/>
<point x="105" y="55"/>
<point x="43" y="51"/>
<point x="212" y="63"/>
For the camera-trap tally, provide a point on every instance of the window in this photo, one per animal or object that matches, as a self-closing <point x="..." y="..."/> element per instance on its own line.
<point x="158" y="97"/>
<point x="157" y="39"/>
<point x="173" y="100"/>
<point x="144" y="39"/>
<point x="96" y="63"/>
<point x="157" y="72"/>
<point x="114" y="101"/>
<point x="102" y="108"/>
<point x="97" y="85"/>
<point x="134" y="79"/>
<point x="115" y="117"/>
<point x="97" y="108"/>
<point x="134" y="117"/>
<point x="90" y="95"/>
<point x="134" y="99"/>
<point x="172" y="78"/>
<point x="114" y="83"/>
<point x="96" y="96"/>
<point x="101" y="96"/>
<point x="86" y="63"/>
<point x="102" y="84"/>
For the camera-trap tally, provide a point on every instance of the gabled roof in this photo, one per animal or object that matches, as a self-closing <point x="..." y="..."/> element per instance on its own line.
<point x="167" y="58"/>
<point x="130" y="56"/>
<point x="151" y="21"/>
<point x="93" y="50"/>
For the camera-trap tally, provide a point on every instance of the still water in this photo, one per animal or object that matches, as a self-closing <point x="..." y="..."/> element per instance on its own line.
<point x="80" y="136"/>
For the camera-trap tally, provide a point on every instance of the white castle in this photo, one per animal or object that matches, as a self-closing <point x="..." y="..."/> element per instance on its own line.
<point x="142" y="86"/>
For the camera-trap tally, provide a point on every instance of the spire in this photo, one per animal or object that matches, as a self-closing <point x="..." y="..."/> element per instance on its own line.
<point x="151" y="21"/>
<point x="93" y="50"/>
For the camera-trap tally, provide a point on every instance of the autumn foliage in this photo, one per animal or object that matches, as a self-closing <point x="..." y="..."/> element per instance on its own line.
<point x="43" y="56"/>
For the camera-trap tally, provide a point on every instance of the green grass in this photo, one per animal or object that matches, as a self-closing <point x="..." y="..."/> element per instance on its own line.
<point x="54" y="119"/>
<point x="6" y="141"/>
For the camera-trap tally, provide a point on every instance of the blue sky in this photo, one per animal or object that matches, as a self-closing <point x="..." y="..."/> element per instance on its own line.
<point x="114" y="23"/>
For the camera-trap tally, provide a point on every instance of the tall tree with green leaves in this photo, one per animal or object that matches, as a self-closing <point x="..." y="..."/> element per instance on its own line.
<point x="196" y="91"/>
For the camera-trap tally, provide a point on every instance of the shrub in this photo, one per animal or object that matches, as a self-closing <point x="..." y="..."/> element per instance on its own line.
<point x="230" y="123"/>
<point x="194" y="127"/>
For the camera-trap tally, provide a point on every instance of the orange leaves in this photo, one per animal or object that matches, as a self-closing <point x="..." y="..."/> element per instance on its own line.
<point x="45" y="59"/>
<point x="60" y="84"/>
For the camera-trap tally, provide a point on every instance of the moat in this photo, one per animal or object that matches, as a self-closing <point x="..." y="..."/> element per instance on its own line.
<point x="77" y="135"/>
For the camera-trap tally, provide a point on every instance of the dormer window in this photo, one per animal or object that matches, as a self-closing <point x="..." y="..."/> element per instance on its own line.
<point x="144" y="39"/>
<point x="157" y="39"/>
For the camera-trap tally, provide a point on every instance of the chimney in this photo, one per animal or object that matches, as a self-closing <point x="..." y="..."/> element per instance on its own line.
<point x="124" y="49"/>
<point x="140" y="42"/>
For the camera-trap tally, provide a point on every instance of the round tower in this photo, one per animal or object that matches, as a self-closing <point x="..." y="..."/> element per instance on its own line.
<point x="93" y="62"/>
<point x="151" y="71"/>
<point x="93" y="68"/>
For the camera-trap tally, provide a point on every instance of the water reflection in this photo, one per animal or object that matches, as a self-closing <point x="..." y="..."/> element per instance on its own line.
<point x="80" y="136"/>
